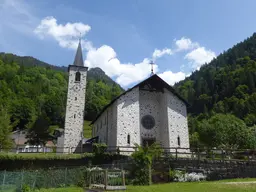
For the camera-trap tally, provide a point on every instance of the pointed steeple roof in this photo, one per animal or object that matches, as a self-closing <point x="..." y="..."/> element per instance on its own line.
<point x="79" y="56"/>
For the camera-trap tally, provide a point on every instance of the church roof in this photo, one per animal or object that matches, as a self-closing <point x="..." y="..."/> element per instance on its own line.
<point x="156" y="82"/>
<point x="79" y="56"/>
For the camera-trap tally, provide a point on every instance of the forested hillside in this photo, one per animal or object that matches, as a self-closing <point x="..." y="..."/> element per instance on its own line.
<point x="31" y="89"/>
<point x="222" y="95"/>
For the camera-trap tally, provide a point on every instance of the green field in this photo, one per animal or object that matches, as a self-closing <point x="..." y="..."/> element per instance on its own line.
<point x="221" y="186"/>
<point x="87" y="129"/>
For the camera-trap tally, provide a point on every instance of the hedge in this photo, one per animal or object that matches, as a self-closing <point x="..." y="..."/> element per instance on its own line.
<point x="10" y="161"/>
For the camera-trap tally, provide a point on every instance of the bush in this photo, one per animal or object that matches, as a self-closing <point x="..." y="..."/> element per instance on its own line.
<point x="99" y="148"/>
<point x="142" y="165"/>
<point x="24" y="188"/>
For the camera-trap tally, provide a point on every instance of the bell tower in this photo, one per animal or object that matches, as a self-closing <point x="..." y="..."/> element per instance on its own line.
<point x="74" y="118"/>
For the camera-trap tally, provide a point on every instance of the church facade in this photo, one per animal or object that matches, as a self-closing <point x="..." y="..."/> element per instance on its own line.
<point x="149" y="112"/>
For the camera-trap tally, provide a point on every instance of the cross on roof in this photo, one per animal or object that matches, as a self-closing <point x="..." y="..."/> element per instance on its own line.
<point x="152" y="65"/>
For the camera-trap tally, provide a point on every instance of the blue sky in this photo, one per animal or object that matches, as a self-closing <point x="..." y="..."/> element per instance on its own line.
<point x="122" y="37"/>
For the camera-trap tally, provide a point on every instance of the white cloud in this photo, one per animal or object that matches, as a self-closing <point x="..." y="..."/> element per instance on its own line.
<point x="106" y="58"/>
<point x="66" y="35"/>
<point x="172" y="78"/>
<point x="159" y="53"/>
<point x="199" y="56"/>
<point x="185" y="44"/>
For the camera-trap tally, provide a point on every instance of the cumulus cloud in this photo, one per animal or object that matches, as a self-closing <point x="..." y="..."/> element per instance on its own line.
<point x="171" y="78"/>
<point x="106" y="58"/>
<point x="185" y="44"/>
<point x="159" y="53"/>
<point x="66" y="35"/>
<point x="199" y="56"/>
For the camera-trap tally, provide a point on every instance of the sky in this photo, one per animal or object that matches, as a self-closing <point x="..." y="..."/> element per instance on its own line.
<point x="123" y="37"/>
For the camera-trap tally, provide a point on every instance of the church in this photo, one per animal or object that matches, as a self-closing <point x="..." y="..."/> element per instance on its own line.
<point x="149" y="112"/>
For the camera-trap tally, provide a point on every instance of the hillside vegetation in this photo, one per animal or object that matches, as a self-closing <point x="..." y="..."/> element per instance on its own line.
<point x="222" y="95"/>
<point x="33" y="96"/>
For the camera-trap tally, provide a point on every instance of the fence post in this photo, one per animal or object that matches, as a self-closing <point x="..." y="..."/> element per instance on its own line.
<point x="123" y="177"/>
<point x="22" y="176"/>
<point x="66" y="176"/>
<point x="222" y="155"/>
<point x="106" y="178"/>
<point x="4" y="178"/>
<point x="198" y="154"/>
<point x="90" y="179"/>
<point x="176" y="153"/>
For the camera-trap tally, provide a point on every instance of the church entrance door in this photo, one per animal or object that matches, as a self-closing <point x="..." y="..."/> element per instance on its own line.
<point x="148" y="141"/>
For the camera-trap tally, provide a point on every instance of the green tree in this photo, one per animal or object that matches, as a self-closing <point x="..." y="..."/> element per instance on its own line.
<point x="5" y="130"/>
<point x="39" y="133"/>
<point x="223" y="129"/>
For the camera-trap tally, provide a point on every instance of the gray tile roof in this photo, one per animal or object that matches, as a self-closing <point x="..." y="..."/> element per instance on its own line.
<point x="79" y="56"/>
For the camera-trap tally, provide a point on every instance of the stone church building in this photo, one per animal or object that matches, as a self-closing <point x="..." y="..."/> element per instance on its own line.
<point x="149" y="112"/>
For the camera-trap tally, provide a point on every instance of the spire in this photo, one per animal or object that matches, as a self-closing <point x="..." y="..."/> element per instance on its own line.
<point x="79" y="55"/>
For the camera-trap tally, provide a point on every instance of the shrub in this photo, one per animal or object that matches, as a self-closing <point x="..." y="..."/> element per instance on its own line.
<point x="99" y="148"/>
<point x="24" y="188"/>
<point x="142" y="165"/>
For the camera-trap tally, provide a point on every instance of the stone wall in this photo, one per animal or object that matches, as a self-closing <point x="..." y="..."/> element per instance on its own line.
<point x="74" y="118"/>
<point x="128" y="119"/>
<point x="177" y="121"/>
<point x="112" y="124"/>
<point x="150" y="105"/>
<point x="101" y="127"/>
<point x="217" y="169"/>
<point x="164" y="132"/>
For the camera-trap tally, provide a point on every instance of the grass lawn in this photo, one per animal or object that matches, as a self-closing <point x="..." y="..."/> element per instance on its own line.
<point x="87" y="129"/>
<point x="69" y="189"/>
<point x="220" y="186"/>
<point x="194" y="187"/>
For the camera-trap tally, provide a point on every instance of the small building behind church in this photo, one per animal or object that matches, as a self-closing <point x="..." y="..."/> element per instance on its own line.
<point x="149" y="112"/>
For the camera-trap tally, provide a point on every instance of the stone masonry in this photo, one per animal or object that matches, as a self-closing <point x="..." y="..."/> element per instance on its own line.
<point x="74" y="118"/>
<point x="124" y="120"/>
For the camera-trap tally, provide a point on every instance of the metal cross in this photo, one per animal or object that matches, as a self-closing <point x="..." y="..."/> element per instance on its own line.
<point x="152" y="65"/>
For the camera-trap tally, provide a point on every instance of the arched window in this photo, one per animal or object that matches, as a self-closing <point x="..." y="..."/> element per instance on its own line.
<point x="128" y="139"/>
<point x="179" y="141"/>
<point x="78" y="76"/>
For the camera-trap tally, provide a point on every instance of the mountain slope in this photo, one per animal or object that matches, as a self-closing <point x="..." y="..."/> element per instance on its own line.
<point x="30" y="87"/>
<point x="226" y="85"/>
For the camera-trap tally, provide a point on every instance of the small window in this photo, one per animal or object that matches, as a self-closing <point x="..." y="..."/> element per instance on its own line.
<point x="78" y="76"/>
<point x="75" y="98"/>
<point x="179" y="141"/>
<point x="128" y="139"/>
<point x="74" y="116"/>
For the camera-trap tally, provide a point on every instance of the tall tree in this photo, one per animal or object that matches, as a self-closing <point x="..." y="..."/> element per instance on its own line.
<point x="5" y="129"/>
<point x="39" y="133"/>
